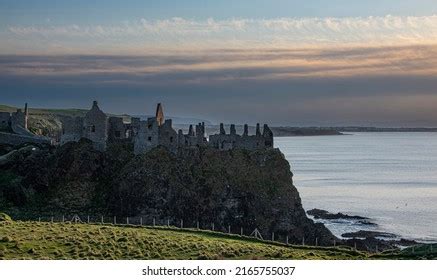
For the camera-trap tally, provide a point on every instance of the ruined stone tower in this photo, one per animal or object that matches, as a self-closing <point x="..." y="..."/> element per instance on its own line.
<point x="159" y="114"/>
<point x="95" y="127"/>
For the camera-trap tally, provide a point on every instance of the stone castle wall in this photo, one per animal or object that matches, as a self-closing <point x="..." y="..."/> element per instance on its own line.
<point x="147" y="137"/>
<point x="157" y="131"/>
<point x="15" y="125"/>
<point x="16" y="139"/>
<point x="5" y="119"/>
<point x="96" y="127"/>
<point x="223" y="141"/>
<point x="116" y="129"/>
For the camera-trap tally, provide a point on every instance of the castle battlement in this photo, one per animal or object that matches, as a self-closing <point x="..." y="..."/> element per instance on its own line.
<point x="158" y="131"/>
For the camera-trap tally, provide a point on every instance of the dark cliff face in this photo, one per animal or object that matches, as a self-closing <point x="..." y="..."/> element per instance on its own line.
<point x="240" y="188"/>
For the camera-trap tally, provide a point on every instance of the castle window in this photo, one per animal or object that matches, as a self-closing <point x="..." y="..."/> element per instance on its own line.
<point x="150" y="126"/>
<point x="117" y="134"/>
<point x="149" y="138"/>
<point x="171" y="139"/>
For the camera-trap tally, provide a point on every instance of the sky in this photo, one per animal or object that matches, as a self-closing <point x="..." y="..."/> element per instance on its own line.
<point x="282" y="62"/>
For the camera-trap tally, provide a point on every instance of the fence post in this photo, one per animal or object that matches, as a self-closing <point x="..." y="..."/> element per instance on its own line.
<point x="376" y="248"/>
<point x="102" y="220"/>
<point x="63" y="219"/>
<point x="141" y="221"/>
<point x="317" y="241"/>
<point x="52" y="219"/>
<point x="212" y="226"/>
<point x="127" y="220"/>
<point x="229" y="229"/>
<point x="355" y="246"/>
<point x="198" y="225"/>
<point x="303" y="241"/>
<point x="334" y="243"/>
<point x="88" y="219"/>
<point x="115" y="220"/>
<point x="412" y="249"/>
<point x="39" y="219"/>
<point x="273" y="236"/>
<point x="168" y="222"/>
<point x="182" y="223"/>
<point x="286" y="240"/>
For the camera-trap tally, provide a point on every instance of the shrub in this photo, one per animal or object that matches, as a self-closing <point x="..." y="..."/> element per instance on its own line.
<point x="5" y="218"/>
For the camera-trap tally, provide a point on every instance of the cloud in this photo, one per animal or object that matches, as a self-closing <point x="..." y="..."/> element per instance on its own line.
<point x="227" y="64"/>
<point x="144" y="35"/>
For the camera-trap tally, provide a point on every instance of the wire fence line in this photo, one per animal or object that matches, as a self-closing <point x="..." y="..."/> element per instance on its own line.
<point x="180" y="223"/>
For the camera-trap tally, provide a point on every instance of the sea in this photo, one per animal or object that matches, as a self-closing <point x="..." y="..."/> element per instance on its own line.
<point x="389" y="177"/>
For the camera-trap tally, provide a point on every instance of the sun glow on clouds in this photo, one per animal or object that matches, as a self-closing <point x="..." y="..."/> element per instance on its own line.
<point x="222" y="65"/>
<point x="144" y="35"/>
<point x="382" y="69"/>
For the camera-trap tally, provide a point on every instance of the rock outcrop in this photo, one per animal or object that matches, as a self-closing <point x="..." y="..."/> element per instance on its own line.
<point x="237" y="188"/>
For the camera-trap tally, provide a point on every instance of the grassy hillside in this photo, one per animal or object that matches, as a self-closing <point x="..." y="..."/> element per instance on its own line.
<point x="48" y="121"/>
<point x="33" y="240"/>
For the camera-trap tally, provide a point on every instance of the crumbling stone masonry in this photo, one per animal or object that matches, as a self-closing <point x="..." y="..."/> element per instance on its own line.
<point x="157" y="131"/>
<point x="14" y="129"/>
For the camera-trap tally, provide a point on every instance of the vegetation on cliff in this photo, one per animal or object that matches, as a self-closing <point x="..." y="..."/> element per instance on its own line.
<point x="240" y="189"/>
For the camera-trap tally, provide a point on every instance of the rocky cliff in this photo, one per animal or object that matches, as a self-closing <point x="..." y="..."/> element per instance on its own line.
<point x="248" y="189"/>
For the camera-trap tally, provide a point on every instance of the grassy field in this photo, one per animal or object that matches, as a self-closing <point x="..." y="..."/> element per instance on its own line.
<point x="40" y="240"/>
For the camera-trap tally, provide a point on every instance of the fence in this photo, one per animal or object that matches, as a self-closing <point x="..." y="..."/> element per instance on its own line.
<point x="179" y="223"/>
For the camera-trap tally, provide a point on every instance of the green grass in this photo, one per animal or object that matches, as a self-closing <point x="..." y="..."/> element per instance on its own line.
<point x="34" y="240"/>
<point x="41" y="240"/>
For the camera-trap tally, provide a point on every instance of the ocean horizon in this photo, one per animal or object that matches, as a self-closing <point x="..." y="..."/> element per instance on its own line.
<point x="388" y="177"/>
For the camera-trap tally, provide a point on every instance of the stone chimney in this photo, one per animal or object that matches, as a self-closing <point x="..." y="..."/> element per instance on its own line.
<point x="233" y="131"/>
<point x="246" y="130"/>
<point x="159" y="114"/>
<point x="26" y="115"/>
<point x="222" y="129"/>
<point x="258" y="130"/>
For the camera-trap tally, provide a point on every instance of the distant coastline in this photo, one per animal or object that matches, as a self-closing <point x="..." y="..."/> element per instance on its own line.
<point x="47" y="122"/>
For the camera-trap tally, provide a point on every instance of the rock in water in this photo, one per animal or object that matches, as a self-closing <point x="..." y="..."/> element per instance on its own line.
<point x="325" y="215"/>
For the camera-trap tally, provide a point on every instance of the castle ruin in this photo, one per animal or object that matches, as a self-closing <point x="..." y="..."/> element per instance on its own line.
<point x="14" y="129"/>
<point x="157" y="131"/>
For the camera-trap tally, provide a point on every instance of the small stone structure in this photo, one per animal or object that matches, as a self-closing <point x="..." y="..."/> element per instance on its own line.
<point x="157" y="131"/>
<point x="14" y="129"/>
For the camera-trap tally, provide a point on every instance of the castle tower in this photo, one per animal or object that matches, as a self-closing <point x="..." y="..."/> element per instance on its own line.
<point x="95" y="127"/>
<point x="159" y="114"/>
<point x="26" y="115"/>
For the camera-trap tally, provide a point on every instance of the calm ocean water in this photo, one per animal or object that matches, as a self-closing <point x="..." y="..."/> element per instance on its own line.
<point x="389" y="177"/>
